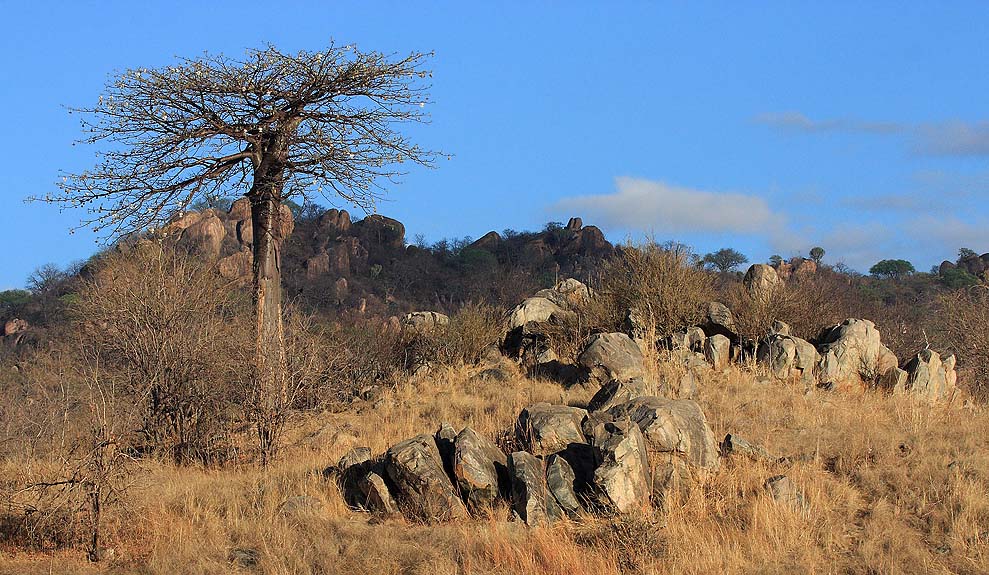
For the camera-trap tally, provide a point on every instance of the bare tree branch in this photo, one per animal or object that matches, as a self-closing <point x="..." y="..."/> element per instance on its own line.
<point x="203" y="127"/>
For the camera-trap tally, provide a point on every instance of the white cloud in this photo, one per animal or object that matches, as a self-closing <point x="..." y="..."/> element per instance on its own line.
<point x="949" y="138"/>
<point x="950" y="233"/>
<point x="657" y="206"/>
<point x="798" y="122"/>
<point x="953" y="139"/>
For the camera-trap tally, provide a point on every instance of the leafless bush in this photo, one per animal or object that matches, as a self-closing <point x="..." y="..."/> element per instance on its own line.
<point x="165" y="330"/>
<point x="808" y="304"/>
<point x="471" y="329"/>
<point x="66" y="501"/>
<point x="658" y="280"/>
<point x="331" y="364"/>
<point x="961" y="326"/>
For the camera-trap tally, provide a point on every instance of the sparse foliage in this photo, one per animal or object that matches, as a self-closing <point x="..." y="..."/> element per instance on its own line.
<point x="164" y="329"/>
<point x="965" y="253"/>
<point x="961" y="326"/>
<point x="659" y="281"/>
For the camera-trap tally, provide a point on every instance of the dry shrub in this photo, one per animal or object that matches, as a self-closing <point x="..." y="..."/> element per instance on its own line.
<point x="808" y="304"/>
<point x="658" y="280"/>
<point x="164" y="330"/>
<point x="331" y="364"/>
<point x="891" y="486"/>
<point x="568" y="337"/>
<point x="961" y="326"/>
<point x="460" y="342"/>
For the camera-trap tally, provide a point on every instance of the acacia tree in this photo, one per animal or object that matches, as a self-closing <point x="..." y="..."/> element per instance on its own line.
<point x="270" y="126"/>
<point x="725" y="259"/>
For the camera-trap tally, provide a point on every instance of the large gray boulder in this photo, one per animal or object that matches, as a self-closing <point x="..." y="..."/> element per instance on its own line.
<point x="852" y="355"/>
<point x="537" y="310"/>
<point x="529" y="326"/>
<point x="761" y="281"/>
<point x="930" y="377"/>
<point x="788" y="356"/>
<point x="617" y="391"/>
<point x="622" y="476"/>
<point x="610" y="356"/>
<point x="672" y="426"/>
<point x="718" y="320"/>
<point x="717" y="351"/>
<point x="561" y="480"/>
<point x="480" y="469"/>
<point x="423" y="488"/>
<point x="574" y="292"/>
<point x="530" y="498"/>
<point x="544" y="428"/>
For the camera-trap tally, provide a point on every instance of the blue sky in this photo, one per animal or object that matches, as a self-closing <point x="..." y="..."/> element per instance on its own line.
<point x="770" y="127"/>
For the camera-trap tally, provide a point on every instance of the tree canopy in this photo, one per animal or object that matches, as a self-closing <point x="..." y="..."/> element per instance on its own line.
<point x="892" y="269"/>
<point x="965" y="253"/>
<point x="724" y="260"/>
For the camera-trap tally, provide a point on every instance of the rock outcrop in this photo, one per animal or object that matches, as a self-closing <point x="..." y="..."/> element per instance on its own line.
<point x="424" y="490"/>
<point x="480" y="468"/>
<point x="929" y="377"/>
<point x="610" y="356"/>
<point x="530" y="325"/>
<point x="673" y="426"/>
<point x="718" y="320"/>
<point x="788" y="356"/>
<point x="717" y="351"/>
<point x="852" y="355"/>
<point x="616" y="392"/>
<point x="622" y="476"/>
<point x="561" y="480"/>
<point x="531" y="499"/>
<point x="545" y="428"/>
<point x="761" y="281"/>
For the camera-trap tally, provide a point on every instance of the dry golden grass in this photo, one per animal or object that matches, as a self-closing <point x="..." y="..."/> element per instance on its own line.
<point x="891" y="486"/>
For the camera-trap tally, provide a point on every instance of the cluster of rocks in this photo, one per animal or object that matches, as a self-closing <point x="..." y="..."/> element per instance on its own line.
<point x="848" y="356"/>
<point x="214" y="233"/>
<point x="619" y="456"/>
<point x="796" y="268"/>
<point x="339" y="257"/>
<point x="530" y="326"/>
<point x="976" y="265"/>
<point x="338" y="245"/>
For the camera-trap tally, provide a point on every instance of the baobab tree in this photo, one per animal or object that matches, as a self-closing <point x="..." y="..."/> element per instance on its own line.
<point x="270" y="126"/>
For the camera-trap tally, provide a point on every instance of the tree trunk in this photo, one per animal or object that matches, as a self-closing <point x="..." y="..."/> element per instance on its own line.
<point x="270" y="362"/>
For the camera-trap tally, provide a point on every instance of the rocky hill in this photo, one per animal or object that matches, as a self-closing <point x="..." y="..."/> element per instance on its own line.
<point x="332" y="262"/>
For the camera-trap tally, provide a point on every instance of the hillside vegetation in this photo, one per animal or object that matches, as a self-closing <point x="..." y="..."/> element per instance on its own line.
<point x="853" y="448"/>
